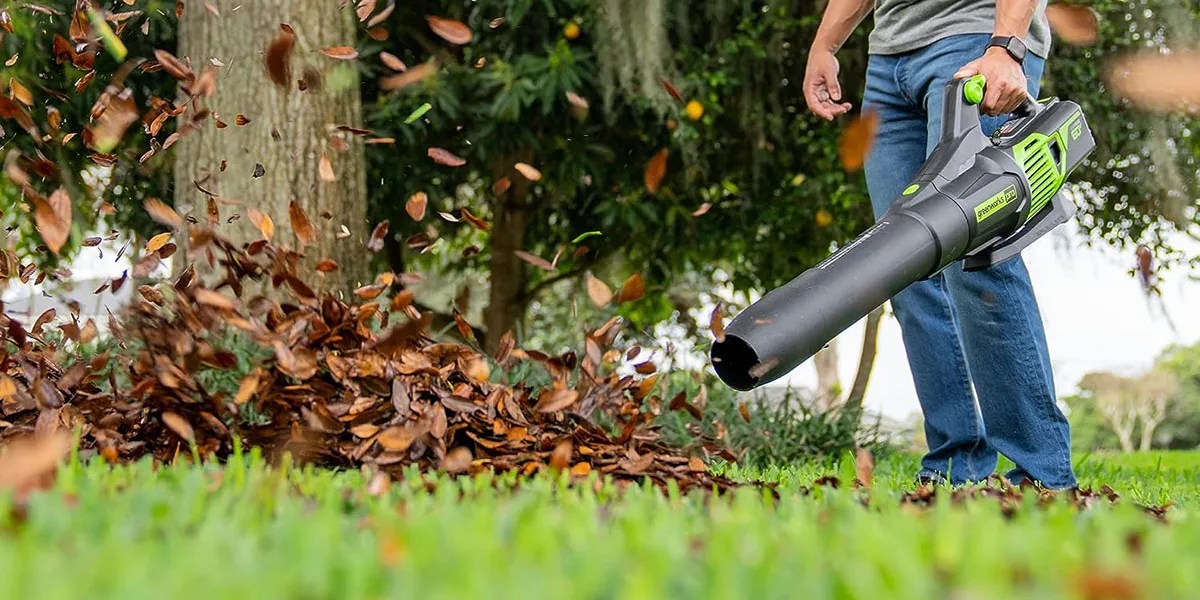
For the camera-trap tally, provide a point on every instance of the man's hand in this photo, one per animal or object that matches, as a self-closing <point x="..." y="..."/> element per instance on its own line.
<point x="822" y="92"/>
<point x="1006" y="85"/>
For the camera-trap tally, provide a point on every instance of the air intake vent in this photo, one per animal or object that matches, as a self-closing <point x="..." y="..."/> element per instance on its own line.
<point x="1040" y="157"/>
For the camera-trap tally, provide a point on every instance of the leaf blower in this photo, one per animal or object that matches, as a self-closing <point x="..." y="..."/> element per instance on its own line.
<point x="978" y="199"/>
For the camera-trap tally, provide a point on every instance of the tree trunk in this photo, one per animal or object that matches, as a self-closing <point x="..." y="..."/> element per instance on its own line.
<point x="506" y="290"/>
<point x="828" y="384"/>
<point x="288" y="133"/>
<point x="866" y="361"/>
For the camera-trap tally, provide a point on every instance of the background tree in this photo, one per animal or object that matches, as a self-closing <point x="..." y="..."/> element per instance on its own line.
<point x="277" y="134"/>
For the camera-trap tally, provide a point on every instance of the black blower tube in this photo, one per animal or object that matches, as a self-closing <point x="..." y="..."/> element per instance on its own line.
<point x="761" y="343"/>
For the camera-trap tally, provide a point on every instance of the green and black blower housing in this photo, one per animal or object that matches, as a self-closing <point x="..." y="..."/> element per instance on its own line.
<point x="977" y="199"/>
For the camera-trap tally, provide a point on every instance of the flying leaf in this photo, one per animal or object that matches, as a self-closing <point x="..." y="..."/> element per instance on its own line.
<point x="278" y="58"/>
<point x="744" y="411"/>
<point x="29" y="463"/>
<point x="864" y="467"/>
<point x="173" y="66"/>
<point x="20" y="92"/>
<point x="585" y="235"/>
<point x="702" y="210"/>
<point x="534" y="260"/>
<point x="598" y="291"/>
<point x="52" y="218"/>
<point x="327" y="266"/>
<point x="214" y="299"/>
<point x="163" y="214"/>
<point x="716" y="323"/>
<point x="158" y="242"/>
<point x="415" y="207"/>
<point x="392" y="62"/>
<point x="656" y="169"/>
<point x="392" y="83"/>
<point x="302" y="226"/>
<point x="248" y="387"/>
<point x="262" y="222"/>
<point x="554" y="400"/>
<point x="1158" y="82"/>
<point x="672" y="91"/>
<point x="378" y="235"/>
<point x="455" y="32"/>
<point x="179" y="426"/>
<point x="445" y="157"/>
<point x="325" y="169"/>
<point x="856" y="141"/>
<point x="633" y="289"/>
<point x="340" y="52"/>
<point x="528" y="171"/>
<point x="418" y="113"/>
<point x="1075" y="24"/>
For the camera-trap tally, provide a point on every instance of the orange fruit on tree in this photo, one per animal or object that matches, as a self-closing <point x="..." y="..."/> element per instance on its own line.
<point x="694" y="110"/>
<point x="824" y="218"/>
<point x="571" y="30"/>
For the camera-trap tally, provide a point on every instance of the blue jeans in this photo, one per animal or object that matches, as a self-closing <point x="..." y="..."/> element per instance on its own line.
<point x="968" y="336"/>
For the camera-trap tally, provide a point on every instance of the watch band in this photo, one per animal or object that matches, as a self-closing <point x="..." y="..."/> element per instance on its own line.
<point x="1011" y="44"/>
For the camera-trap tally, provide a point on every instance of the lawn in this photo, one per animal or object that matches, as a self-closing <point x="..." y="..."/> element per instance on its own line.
<point x="248" y="531"/>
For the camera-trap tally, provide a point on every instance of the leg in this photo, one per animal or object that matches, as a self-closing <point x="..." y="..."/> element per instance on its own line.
<point x="953" y="428"/>
<point x="1001" y="327"/>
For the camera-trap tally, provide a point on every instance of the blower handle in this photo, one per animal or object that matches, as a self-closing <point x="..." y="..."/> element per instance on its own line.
<point x="974" y="86"/>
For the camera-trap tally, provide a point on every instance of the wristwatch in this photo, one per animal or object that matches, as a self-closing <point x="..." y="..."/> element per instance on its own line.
<point x="1011" y="44"/>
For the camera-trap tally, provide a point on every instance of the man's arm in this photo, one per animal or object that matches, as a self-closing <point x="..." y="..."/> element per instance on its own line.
<point x="1006" y="84"/>
<point x="822" y="92"/>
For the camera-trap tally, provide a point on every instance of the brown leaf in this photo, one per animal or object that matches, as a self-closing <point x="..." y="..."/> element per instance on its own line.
<point x="52" y="217"/>
<point x="248" y="387"/>
<point x="445" y="157"/>
<point x="29" y="463"/>
<point x="179" y="426"/>
<point x="278" y="58"/>
<point x="397" y="438"/>
<point x="633" y="289"/>
<point x="1075" y="24"/>
<point x="702" y="210"/>
<point x="174" y="67"/>
<point x="214" y="299"/>
<point x="528" y="171"/>
<point x="163" y="214"/>
<point x="554" y="400"/>
<point x="672" y="91"/>
<point x="364" y="9"/>
<point x="262" y="222"/>
<point x="864" y="467"/>
<point x="598" y="291"/>
<point x="716" y="323"/>
<point x="20" y="92"/>
<point x="302" y="226"/>
<point x="340" y="52"/>
<point x="158" y="242"/>
<point x="560" y="458"/>
<point x="392" y="83"/>
<point x="457" y="460"/>
<point x="415" y="207"/>
<point x="327" y="266"/>
<point x="856" y="141"/>
<point x="534" y="260"/>
<point x="656" y="169"/>
<point x="745" y="412"/>
<point x="475" y="221"/>
<point x="455" y="32"/>
<point x="378" y="235"/>
<point x="392" y="62"/>
<point x="1157" y="82"/>
<point x="696" y="465"/>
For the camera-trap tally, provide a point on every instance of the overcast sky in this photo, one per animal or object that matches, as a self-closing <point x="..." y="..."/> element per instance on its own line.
<point x="1096" y="316"/>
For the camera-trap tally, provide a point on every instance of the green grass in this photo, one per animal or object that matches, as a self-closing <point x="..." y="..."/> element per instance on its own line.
<point x="247" y="531"/>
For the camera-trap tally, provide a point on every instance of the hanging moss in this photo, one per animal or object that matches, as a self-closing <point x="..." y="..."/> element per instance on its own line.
<point x="634" y="52"/>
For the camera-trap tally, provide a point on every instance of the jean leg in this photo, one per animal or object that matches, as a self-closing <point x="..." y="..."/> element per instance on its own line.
<point x="953" y="429"/>
<point x="1002" y="331"/>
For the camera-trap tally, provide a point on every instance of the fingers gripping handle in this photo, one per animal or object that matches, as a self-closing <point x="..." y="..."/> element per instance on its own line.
<point x="961" y="105"/>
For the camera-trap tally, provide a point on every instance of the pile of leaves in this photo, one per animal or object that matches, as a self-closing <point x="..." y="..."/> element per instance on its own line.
<point x="347" y="383"/>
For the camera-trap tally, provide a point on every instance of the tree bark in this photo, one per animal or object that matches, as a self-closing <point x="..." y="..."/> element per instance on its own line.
<point x="866" y="360"/>
<point x="505" y="308"/>
<point x="288" y="133"/>
<point x="828" y="383"/>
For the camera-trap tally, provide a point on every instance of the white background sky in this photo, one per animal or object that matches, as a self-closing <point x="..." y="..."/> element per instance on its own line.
<point x="1096" y="316"/>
